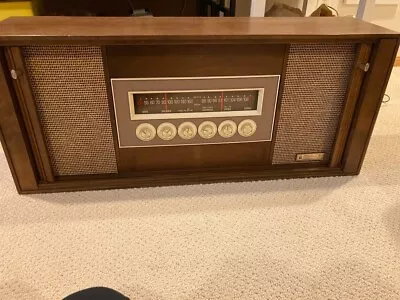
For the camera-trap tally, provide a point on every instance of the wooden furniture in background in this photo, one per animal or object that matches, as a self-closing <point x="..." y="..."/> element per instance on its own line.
<point x="115" y="8"/>
<point x="218" y="8"/>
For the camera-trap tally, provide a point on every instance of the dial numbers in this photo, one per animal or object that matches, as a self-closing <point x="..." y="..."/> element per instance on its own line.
<point x="195" y="101"/>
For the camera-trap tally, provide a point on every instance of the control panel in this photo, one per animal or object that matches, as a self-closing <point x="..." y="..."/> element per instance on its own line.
<point x="152" y="112"/>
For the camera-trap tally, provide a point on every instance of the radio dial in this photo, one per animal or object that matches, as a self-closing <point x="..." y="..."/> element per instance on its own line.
<point x="166" y="131"/>
<point x="145" y="132"/>
<point x="207" y="129"/>
<point x="247" y="128"/>
<point x="227" y="129"/>
<point x="187" y="130"/>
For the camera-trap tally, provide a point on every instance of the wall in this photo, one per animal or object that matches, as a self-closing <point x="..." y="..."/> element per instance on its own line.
<point x="383" y="15"/>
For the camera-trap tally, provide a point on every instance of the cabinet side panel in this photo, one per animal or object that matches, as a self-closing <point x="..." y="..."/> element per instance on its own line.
<point x="13" y="135"/>
<point x="371" y="95"/>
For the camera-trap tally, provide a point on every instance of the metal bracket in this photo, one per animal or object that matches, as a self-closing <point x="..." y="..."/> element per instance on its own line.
<point x="310" y="156"/>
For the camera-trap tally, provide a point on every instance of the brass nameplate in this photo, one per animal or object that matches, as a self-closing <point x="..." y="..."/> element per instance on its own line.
<point x="310" y="156"/>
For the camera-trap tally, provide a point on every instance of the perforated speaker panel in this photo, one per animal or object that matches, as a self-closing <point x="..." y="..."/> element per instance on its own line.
<point x="69" y="88"/>
<point x="315" y="85"/>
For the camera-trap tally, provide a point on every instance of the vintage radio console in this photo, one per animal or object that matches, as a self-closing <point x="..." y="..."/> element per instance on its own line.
<point x="93" y="103"/>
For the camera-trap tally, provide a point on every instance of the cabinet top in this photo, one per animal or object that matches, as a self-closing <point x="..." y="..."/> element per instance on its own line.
<point x="123" y="30"/>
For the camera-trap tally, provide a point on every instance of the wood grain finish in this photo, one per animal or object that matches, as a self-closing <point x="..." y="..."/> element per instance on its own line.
<point x="279" y="102"/>
<point x="183" y="177"/>
<point x="13" y="135"/>
<point x="30" y="115"/>
<point x="193" y="61"/>
<point x="362" y="58"/>
<point x="92" y="30"/>
<point x="199" y="156"/>
<point x="371" y="95"/>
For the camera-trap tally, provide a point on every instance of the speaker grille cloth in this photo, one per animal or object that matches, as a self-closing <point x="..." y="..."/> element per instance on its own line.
<point x="69" y="88"/>
<point x="315" y="86"/>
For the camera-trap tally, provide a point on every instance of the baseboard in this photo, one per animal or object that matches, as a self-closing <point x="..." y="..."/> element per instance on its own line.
<point x="397" y="62"/>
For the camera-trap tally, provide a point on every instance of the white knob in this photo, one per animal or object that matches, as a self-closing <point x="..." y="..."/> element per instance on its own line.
<point x="207" y="129"/>
<point x="227" y="129"/>
<point x="247" y="128"/>
<point x="166" y="131"/>
<point x="145" y="132"/>
<point x="187" y="130"/>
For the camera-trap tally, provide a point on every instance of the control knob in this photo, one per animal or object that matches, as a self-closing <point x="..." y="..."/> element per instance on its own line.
<point x="247" y="128"/>
<point x="227" y="129"/>
<point x="187" y="130"/>
<point x="145" y="132"/>
<point x="207" y="129"/>
<point x="166" y="131"/>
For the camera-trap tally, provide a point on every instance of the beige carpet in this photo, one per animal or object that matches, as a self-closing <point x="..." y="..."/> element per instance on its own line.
<point x="329" y="238"/>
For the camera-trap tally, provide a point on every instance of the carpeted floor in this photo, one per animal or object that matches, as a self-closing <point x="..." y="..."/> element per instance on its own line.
<point x="329" y="238"/>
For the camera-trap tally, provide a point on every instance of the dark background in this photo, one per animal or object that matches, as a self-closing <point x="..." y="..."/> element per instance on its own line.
<point x="157" y="8"/>
<point x="116" y="7"/>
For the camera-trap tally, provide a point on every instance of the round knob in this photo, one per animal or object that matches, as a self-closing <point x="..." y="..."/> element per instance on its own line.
<point x="166" y="131"/>
<point x="227" y="129"/>
<point x="145" y="132"/>
<point x="207" y="129"/>
<point x="187" y="130"/>
<point x="247" y="128"/>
